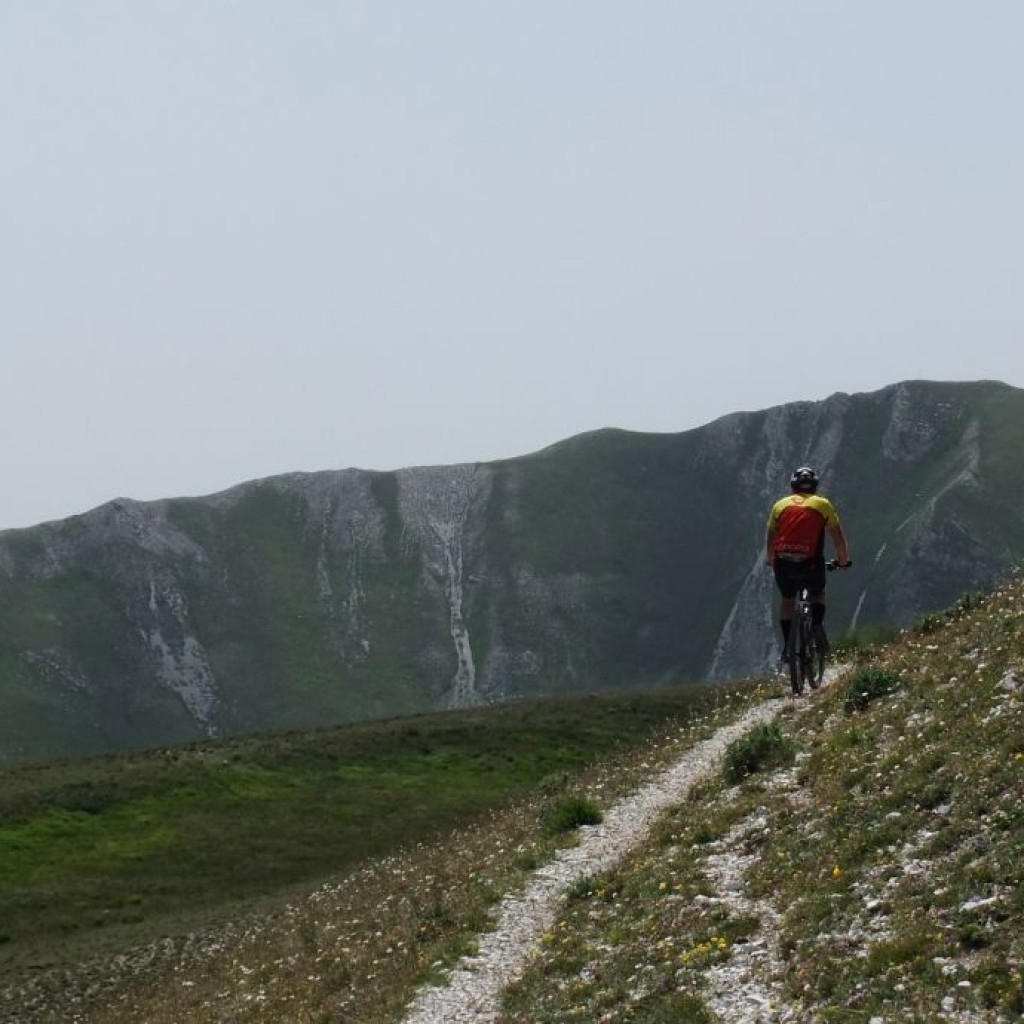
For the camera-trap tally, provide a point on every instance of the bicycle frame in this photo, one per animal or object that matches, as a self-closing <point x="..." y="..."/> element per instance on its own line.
<point x="804" y="657"/>
<point x="806" y="661"/>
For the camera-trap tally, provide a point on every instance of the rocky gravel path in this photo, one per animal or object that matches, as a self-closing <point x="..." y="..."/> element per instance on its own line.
<point x="473" y="988"/>
<point x="742" y="989"/>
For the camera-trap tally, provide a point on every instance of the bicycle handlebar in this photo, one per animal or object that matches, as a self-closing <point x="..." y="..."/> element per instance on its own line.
<point x="835" y="564"/>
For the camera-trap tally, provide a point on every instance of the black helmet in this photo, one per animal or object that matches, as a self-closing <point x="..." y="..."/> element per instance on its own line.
<point x="804" y="479"/>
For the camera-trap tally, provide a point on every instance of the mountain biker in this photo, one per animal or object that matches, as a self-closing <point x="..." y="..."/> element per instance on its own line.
<point x="795" y="549"/>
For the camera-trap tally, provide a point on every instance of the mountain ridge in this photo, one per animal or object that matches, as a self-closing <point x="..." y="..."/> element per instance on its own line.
<point x="348" y="594"/>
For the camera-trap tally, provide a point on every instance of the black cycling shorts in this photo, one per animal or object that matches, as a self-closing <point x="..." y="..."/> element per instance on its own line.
<point x="791" y="575"/>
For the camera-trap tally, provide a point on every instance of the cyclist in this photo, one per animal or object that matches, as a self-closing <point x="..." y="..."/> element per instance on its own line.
<point x="795" y="549"/>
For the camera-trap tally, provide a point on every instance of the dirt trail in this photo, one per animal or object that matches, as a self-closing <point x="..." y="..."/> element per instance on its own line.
<point x="472" y="992"/>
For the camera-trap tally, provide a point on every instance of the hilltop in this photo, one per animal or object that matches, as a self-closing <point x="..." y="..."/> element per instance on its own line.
<point x="859" y="860"/>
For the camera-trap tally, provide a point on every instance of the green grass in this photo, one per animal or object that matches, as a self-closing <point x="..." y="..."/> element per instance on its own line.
<point x="867" y="684"/>
<point x="100" y="853"/>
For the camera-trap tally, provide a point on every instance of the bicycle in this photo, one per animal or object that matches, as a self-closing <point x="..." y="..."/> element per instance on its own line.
<point x="804" y="655"/>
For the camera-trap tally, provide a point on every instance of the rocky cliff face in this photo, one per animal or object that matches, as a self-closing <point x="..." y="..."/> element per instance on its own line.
<point x="611" y="560"/>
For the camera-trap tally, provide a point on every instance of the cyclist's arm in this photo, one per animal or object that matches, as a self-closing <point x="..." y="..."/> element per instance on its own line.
<point x="839" y="540"/>
<point x="772" y="528"/>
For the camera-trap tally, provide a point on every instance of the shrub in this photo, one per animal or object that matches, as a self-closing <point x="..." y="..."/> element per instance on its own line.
<point x="569" y="813"/>
<point x="864" y="640"/>
<point x="763" y="747"/>
<point x="969" y="601"/>
<point x="930" y="623"/>
<point x="850" y="738"/>
<point x="868" y="684"/>
<point x="582" y="889"/>
<point x="669" y="1008"/>
<point x="933" y="621"/>
<point x="553" y="783"/>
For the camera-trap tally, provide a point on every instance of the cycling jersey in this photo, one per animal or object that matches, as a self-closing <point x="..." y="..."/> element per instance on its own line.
<point x="798" y="524"/>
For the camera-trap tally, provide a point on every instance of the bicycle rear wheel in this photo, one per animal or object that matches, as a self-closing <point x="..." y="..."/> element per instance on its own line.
<point x="798" y="643"/>
<point x="801" y="666"/>
<point x="796" y="672"/>
<point x="814" y="666"/>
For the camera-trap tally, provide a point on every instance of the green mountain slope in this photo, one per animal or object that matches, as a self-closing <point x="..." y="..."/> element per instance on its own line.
<point x="609" y="561"/>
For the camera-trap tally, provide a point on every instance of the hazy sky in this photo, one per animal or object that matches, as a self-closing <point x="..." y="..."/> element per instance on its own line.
<point x="245" y="238"/>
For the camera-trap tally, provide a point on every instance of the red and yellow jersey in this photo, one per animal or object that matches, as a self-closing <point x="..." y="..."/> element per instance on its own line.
<point x="797" y="524"/>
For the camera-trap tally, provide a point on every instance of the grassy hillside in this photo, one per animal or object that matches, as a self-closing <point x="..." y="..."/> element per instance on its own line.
<point x="881" y="821"/>
<point x="885" y="828"/>
<point x="106" y="854"/>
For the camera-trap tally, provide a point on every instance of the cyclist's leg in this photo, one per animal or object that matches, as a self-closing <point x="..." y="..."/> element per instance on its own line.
<point x="818" y="608"/>
<point x="786" y="611"/>
<point x="818" y="604"/>
<point x="794" y="653"/>
<point x="801" y="643"/>
<point x="787" y="586"/>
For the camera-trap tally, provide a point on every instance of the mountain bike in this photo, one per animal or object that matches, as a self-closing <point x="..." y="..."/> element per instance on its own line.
<point x="804" y="655"/>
